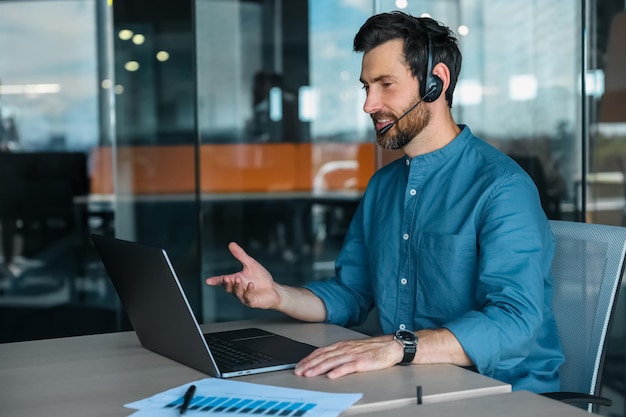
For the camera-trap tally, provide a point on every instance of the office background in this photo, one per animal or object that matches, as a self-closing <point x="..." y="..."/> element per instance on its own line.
<point x="191" y="124"/>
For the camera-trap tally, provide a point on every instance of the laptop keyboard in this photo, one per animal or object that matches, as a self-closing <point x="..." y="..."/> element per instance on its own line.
<point x="228" y="355"/>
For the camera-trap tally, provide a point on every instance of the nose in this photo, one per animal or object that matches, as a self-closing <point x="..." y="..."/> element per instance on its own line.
<point x="372" y="103"/>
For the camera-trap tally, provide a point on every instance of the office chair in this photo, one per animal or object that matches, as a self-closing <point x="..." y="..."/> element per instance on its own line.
<point x="587" y="270"/>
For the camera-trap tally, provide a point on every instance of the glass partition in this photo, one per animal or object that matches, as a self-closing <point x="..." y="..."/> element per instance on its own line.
<point x="285" y="147"/>
<point x="155" y="149"/>
<point x="49" y="123"/>
<point x="191" y="124"/>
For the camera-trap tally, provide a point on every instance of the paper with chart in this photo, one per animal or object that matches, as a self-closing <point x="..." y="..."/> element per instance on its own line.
<point x="226" y="397"/>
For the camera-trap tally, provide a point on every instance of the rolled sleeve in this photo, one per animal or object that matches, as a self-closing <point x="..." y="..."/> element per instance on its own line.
<point x="348" y="295"/>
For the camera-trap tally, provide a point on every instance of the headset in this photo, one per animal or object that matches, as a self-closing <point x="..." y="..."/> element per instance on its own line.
<point x="431" y="89"/>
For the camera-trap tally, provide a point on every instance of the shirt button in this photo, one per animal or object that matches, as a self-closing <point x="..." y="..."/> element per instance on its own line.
<point x="402" y="327"/>
<point x="405" y="236"/>
<point x="408" y="162"/>
<point x="403" y="281"/>
<point x="412" y="192"/>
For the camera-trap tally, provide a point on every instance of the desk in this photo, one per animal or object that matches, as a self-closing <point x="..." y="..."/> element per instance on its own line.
<point x="513" y="404"/>
<point x="96" y="375"/>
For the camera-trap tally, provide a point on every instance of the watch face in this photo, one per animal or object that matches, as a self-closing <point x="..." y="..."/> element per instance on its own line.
<point x="409" y="341"/>
<point x="406" y="336"/>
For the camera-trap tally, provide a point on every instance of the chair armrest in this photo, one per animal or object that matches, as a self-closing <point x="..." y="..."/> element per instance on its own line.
<point x="578" y="398"/>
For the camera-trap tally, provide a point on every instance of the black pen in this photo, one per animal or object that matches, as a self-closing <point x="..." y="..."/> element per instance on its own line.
<point x="187" y="398"/>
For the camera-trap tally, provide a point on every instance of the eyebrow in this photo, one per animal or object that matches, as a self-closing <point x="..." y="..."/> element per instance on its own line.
<point x="377" y="79"/>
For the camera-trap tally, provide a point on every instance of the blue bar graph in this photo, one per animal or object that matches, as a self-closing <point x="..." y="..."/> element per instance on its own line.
<point x="302" y="411"/>
<point x="203" y="401"/>
<point x="245" y="406"/>
<point x="276" y="410"/>
<point x="216" y="402"/>
<point x="263" y="408"/>
<point x="237" y="407"/>
<point x="250" y="408"/>
<point x="291" y="408"/>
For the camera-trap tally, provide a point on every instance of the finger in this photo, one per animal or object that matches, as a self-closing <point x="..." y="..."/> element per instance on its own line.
<point x="319" y="353"/>
<point x="230" y="284"/>
<point x="313" y="364"/>
<point x="315" y="357"/>
<point x="343" y="370"/>
<point x="238" y="287"/>
<point x="249" y="297"/>
<point x="241" y="255"/>
<point x="333" y="366"/>
<point x="215" y="281"/>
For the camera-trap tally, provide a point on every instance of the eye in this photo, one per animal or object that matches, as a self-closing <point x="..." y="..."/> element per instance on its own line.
<point x="365" y="87"/>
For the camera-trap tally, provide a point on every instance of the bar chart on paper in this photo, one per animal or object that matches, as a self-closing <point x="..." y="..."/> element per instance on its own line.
<point x="218" y="397"/>
<point x="247" y="406"/>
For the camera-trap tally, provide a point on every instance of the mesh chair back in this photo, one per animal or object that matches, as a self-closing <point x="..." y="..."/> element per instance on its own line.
<point x="587" y="271"/>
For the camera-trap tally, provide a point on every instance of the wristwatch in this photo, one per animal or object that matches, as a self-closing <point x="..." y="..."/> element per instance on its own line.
<point x="408" y="340"/>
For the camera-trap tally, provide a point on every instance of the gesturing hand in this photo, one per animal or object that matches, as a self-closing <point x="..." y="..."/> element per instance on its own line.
<point x="253" y="285"/>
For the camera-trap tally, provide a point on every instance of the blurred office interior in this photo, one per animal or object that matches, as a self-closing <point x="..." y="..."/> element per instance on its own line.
<point x="190" y="124"/>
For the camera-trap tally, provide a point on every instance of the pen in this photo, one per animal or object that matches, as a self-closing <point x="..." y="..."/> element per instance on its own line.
<point x="187" y="398"/>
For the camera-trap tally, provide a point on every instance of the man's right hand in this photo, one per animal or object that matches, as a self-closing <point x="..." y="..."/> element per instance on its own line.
<point x="254" y="286"/>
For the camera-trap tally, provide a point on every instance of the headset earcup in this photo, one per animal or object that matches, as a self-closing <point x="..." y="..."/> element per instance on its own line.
<point x="433" y="83"/>
<point x="434" y="88"/>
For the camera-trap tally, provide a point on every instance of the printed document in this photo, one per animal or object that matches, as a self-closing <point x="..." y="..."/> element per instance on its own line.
<point x="221" y="397"/>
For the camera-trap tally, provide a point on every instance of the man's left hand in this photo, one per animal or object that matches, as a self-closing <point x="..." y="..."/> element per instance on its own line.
<point x="351" y="356"/>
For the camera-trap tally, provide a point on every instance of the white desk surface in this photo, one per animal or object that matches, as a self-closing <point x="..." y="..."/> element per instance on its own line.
<point x="96" y="375"/>
<point x="512" y="404"/>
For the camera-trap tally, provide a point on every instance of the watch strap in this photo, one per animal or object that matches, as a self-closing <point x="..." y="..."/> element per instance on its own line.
<point x="409" y="354"/>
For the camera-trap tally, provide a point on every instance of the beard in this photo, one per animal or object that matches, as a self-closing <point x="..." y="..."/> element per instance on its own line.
<point x="403" y="132"/>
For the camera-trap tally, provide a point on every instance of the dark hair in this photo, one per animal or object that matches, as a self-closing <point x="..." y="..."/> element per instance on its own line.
<point x="384" y="27"/>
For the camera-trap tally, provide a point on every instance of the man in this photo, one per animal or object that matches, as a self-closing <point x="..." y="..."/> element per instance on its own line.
<point x="449" y="243"/>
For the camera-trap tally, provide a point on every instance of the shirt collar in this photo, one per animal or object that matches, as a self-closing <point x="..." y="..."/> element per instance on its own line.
<point x="441" y="155"/>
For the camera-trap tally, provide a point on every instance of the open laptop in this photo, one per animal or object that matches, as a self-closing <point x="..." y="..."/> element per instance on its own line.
<point x="160" y="314"/>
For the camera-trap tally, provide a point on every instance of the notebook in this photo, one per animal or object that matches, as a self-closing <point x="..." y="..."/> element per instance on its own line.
<point x="159" y="312"/>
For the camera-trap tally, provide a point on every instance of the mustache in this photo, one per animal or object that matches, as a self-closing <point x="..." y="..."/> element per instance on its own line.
<point x="383" y="115"/>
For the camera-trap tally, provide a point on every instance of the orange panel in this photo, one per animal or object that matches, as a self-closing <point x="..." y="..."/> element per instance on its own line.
<point x="250" y="167"/>
<point x="156" y="169"/>
<point x="238" y="168"/>
<point x="143" y="170"/>
<point x="101" y="170"/>
<point x="342" y="166"/>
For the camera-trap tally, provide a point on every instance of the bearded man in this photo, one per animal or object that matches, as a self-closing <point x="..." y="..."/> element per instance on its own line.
<point x="449" y="242"/>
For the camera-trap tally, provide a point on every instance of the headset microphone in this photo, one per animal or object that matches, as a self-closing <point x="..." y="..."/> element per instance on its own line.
<point x="385" y="129"/>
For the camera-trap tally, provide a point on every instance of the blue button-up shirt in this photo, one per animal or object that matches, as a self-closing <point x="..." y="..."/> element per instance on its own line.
<point x="455" y="239"/>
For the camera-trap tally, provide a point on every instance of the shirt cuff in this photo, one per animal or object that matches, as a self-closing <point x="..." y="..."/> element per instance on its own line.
<point x="479" y="339"/>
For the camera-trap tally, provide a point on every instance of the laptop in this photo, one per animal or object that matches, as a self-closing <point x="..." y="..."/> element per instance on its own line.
<point x="160" y="314"/>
